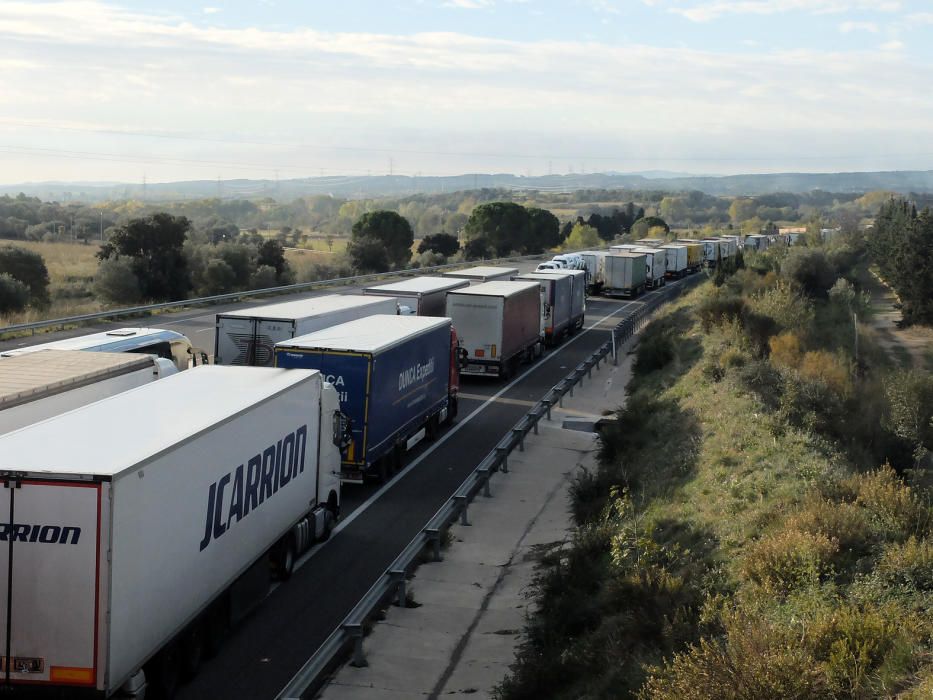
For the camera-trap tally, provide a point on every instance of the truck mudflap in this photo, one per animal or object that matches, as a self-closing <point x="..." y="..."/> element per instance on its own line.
<point x="50" y="557"/>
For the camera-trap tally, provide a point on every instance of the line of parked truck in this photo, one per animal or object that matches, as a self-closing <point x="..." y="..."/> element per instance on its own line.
<point x="149" y="497"/>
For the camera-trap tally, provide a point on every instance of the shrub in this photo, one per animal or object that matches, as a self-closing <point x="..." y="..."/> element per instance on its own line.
<point x="719" y="307"/>
<point x="759" y="329"/>
<point x="754" y="660"/>
<point x="791" y="310"/>
<point x="844" y="523"/>
<point x="264" y="277"/>
<point x="788" y="560"/>
<point x="116" y="281"/>
<point x="785" y="350"/>
<point x="219" y="277"/>
<point x="894" y="509"/>
<point x="29" y="268"/>
<point x="14" y="295"/>
<point x="908" y="564"/>
<point x="828" y="368"/>
<point x="810" y="270"/>
<point x="655" y="350"/>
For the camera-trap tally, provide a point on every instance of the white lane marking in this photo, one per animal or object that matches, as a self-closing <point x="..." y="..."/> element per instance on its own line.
<point x="449" y="434"/>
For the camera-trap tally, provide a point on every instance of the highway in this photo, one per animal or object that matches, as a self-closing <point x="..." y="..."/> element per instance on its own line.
<point x="266" y="649"/>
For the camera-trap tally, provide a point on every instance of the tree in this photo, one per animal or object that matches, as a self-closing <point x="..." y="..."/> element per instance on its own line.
<point x="271" y="254"/>
<point x="440" y="243"/>
<point x="544" y="230"/>
<point x="387" y="229"/>
<point x="14" y="295"/>
<point x="368" y="255"/>
<point x="504" y="225"/>
<point x="742" y="208"/>
<point x="582" y="236"/>
<point x="154" y="244"/>
<point x="477" y="249"/>
<point x="219" y="277"/>
<point x="264" y="278"/>
<point x="29" y="268"/>
<point x="116" y="282"/>
<point x="810" y="270"/>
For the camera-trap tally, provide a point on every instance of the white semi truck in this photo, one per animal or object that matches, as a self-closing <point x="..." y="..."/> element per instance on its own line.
<point x="484" y="273"/>
<point x="131" y="544"/>
<point x="248" y="336"/>
<point x="420" y="296"/>
<point x="39" y="385"/>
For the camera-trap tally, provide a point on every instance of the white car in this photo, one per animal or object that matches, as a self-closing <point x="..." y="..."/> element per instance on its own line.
<point x="571" y="261"/>
<point x="548" y="266"/>
<point x="560" y="262"/>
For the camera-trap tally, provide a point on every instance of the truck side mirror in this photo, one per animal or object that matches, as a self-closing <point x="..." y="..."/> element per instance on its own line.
<point x="343" y="430"/>
<point x="463" y="356"/>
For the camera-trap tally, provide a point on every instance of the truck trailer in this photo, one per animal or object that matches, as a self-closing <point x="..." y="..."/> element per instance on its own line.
<point x="625" y="274"/>
<point x="499" y="324"/>
<point x="131" y="553"/>
<point x="248" y="336"/>
<point x="676" y="260"/>
<point x="483" y="273"/>
<point x="421" y="296"/>
<point x="694" y="253"/>
<point x="161" y="342"/>
<point x="556" y="295"/>
<point x="656" y="270"/>
<point x="39" y="385"/>
<point x="594" y="262"/>
<point x="577" y="295"/>
<point x="397" y="380"/>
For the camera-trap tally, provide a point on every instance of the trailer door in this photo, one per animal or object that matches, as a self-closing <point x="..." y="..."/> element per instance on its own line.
<point x="50" y="531"/>
<point x="235" y="341"/>
<point x="270" y="331"/>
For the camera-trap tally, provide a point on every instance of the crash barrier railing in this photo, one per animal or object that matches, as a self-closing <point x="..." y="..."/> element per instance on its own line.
<point x="236" y="296"/>
<point x="391" y="586"/>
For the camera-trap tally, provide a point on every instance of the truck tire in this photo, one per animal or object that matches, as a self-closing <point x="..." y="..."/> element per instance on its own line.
<point x="163" y="672"/>
<point x="192" y="649"/>
<point x="283" y="560"/>
<point x="215" y="627"/>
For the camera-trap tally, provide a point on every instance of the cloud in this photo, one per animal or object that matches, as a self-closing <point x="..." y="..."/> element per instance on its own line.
<point x="893" y="45"/>
<point x="848" y="27"/>
<point x="150" y="73"/>
<point x="211" y="10"/>
<point x="469" y="4"/>
<point x="713" y="9"/>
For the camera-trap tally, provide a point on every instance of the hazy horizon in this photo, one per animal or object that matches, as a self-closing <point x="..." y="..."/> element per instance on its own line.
<point x="98" y="91"/>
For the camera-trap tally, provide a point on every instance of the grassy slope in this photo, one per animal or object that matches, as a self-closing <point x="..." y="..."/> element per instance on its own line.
<point x="737" y="528"/>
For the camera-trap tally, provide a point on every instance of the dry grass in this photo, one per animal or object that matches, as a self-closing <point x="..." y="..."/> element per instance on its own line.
<point x="66" y="261"/>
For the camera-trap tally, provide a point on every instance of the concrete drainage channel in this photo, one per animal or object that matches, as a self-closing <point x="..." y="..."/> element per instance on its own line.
<point x="391" y="586"/>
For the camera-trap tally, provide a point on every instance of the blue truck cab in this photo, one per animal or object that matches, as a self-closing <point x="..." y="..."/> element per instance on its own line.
<point x="396" y="378"/>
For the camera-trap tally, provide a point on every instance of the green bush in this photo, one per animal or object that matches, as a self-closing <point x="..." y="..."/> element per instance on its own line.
<point x="718" y="308"/>
<point x="908" y="564"/>
<point x="754" y="661"/>
<point x="116" y="282"/>
<point x="810" y="270"/>
<point x="789" y="560"/>
<point x="14" y="295"/>
<point x="895" y="510"/>
<point x="655" y="350"/>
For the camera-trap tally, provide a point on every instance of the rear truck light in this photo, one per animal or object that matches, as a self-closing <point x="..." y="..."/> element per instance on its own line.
<point x="68" y="674"/>
<point x="24" y="664"/>
<point x="493" y="352"/>
<point x="479" y="353"/>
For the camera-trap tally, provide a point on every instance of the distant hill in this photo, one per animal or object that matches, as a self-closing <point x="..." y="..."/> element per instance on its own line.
<point x="920" y="181"/>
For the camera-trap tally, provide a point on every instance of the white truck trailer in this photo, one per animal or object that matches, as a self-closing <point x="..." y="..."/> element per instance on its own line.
<point x="422" y="296"/>
<point x="625" y="274"/>
<point x="676" y="260"/>
<point x="577" y="294"/>
<point x="555" y="304"/>
<point x="499" y="325"/>
<point x="248" y="336"/>
<point x="656" y="266"/>
<point x="39" y="385"/>
<point x="594" y="262"/>
<point x="483" y="273"/>
<point x="132" y="552"/>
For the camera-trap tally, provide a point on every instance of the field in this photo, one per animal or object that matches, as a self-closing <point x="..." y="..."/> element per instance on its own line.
<point x="71" y="273"/>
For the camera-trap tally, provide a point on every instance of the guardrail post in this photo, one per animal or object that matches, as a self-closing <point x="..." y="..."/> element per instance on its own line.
<point x="434" y="537"/>
<point x="503" y="453"/>
<point x="398" y="578"/>
<point x="355" y="632"/>
<point x="548" y="403"/>
<point x="462" y="504"/>
<point x="485" y="475"/>
<point x="521" y="438"/>
<point x="534" y="423"/>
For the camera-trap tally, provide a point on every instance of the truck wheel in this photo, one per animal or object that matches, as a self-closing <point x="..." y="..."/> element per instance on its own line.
<point x="192" y="649"/>
<point x="329" y="522"/>
<point x="451" y="411"/>
<point x="215" y="628"/>
<point x="283" y="560"/>
<point x="164" y="672"/>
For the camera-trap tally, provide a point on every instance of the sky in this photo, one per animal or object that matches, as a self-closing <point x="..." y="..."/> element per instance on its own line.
<point x="134" y="91"/>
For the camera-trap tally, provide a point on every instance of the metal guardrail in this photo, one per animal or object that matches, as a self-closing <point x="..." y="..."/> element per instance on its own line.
<point x="391" y="586"/>
<point x="236" y="296"/>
